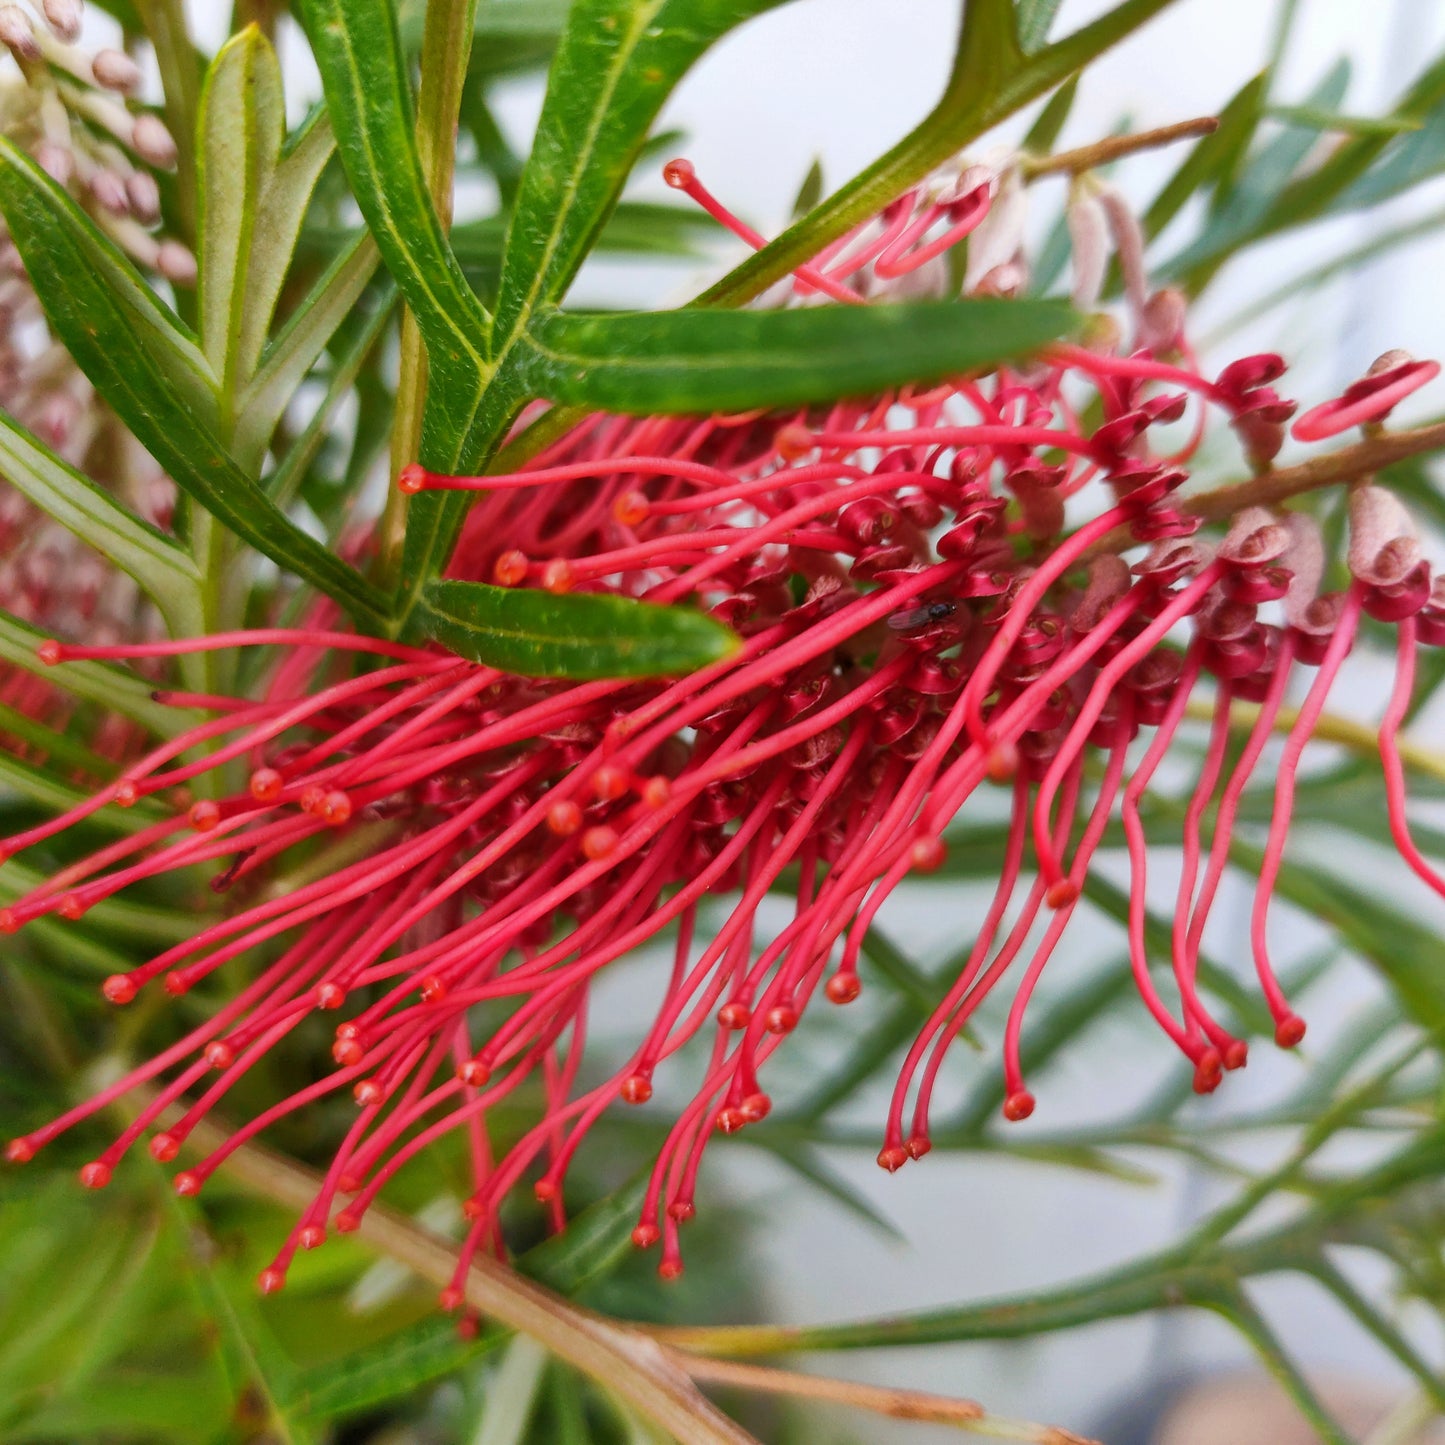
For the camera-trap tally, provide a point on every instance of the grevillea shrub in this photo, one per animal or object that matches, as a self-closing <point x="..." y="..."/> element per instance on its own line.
<point x="714" y="630"/>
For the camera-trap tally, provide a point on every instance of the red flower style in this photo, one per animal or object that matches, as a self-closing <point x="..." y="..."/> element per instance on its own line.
<point x="921" y="617"/>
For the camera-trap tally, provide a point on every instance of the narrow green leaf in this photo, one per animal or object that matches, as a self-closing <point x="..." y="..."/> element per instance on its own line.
<point x="368" y="94"/>
<point x="1330" y="120"/>
<point x="33" y="205"/>
<point x="164" y="571"/>
<point x="536" y="634"/>
<point x="701" y="361"/>
<point x="288" y="360"/>
<point x="1044" y="132"/>
<point x="83" y="284"/>
<point x="594" y="1243"/>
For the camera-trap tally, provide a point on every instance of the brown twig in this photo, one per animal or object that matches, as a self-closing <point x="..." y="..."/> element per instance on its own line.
<point x="1270" y="488"/>
<point x="649" y="1377"/>
<point x="1112" y="148"/>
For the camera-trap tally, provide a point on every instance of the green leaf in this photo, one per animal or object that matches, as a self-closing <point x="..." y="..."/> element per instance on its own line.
<point x="368" y="94"/>
<point x="288" y="360"/>
<point x="616" y="64"/>
<point x="582" y="634"/>
<point x="1034" y="19"/>
<point x="89" y="293"/>
<point x="702" y="361"/>
<point x="1044" y="132"/>
<point x="1346" y="124"/>
<point x="164" y="571"/>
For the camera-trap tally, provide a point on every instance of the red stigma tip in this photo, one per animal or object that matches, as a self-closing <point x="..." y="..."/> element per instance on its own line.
<point x="782" y="1020"/>
<point x="682" y="1210"/>
<point x="670" y="1269"/>
<point x="1289" y="1030"/>
<point x="164" y="1148"/>
<point x="270" y="1280"/>
<point x="19" y="1151"/>
<point x="918" y="1146"/>
<point x="635" y="1089"/>
<point x="412" y="478"/>
<point x="204" y="815"/>
<point x="310" y="798"/>
<point x="220" y="1055"/>
<point x="330" y="995"/>
<point x="450" y="1298"/>
<point x="71" y="907"/>
<point x="127" y="794"/>
<point x="266" y="785"/>
<point x="609" y="783"/>
<point x="432" y="989"/>
<point x="892" y="1158"/>
<point x="544" y="1191"/>
<point x="1003" y="762"/>
<point x="473" y="1208"/>
<point x="644" y="1236"/>
<point x="1061" y="894"/>
<point x="734" y="1015"/>
<point x="843" y="988"/>
<point x="631" y="508"/>
<point x="119" y="989"/>
<point x="558" y="576"/>
<point x="368" y="1092"/>
<point x="657" y="792"/>
<point x="188" y="1183"/>
<point x="793" y="442"/>
<point x="599" y="842"/>
<point x="95" y="1175"/>
<point x="334" y="809"/>
<point x="564" y="817"/>
<point x="1236" y="1054"/>
<point x="468" y="1328"/>
<point x="474" y="1073"/>
<point x="50" y="652"/>
<point x="679" y="174"/>
<point x="347" y="1052"/>
<point x="510" y="568"/>
<point x="313" y="1236"/>
<point x="927" y="855"/>
<point x="177" y="983"/>
<point x="730" y="1120"/>
<point x="756" y="1107"/>
<point x="348" y="1222"/>
<point x="1018" y="1106"/>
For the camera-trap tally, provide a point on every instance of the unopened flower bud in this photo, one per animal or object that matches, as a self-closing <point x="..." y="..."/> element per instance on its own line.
<point x="144" y="196"/>
<point x="17" y="32"/>
<point x="152" y="142"/>
<point x="176" y="263"/>
<point x="115" y="70"/>
<point x="64" y="18"/>
<point x="1384" y="547"/>
<point x="1089" y="241"/>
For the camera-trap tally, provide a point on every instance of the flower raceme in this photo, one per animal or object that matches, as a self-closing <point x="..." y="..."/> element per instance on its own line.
<point x="931" y="603"/>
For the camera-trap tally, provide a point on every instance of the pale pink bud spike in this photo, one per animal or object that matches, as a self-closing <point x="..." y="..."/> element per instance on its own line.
<point x="1089" y="247"/>
<point x="144" y="195"/>
<point x="1384" y="547"/>
<point x="1305" y="559"/>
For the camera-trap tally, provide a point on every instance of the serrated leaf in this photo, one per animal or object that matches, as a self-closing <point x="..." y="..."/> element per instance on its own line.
<point x="703" y="361"/>
<point x="579" y="635"/>
<point x="164" y="571"/>
<point x="88" y="291"/>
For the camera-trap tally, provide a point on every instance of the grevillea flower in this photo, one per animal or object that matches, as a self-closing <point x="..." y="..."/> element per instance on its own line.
<point x="932" y="603"/>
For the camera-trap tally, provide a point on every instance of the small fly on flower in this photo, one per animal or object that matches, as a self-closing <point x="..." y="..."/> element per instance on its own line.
<point x="912" y="619"/>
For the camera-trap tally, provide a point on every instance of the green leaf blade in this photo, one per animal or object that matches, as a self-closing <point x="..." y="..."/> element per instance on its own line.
<point x="578" y="635"/>
<point x="703" y="361"/>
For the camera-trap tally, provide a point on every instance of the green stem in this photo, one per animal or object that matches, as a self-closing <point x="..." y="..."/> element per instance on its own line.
<point x="446" y="48"/>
